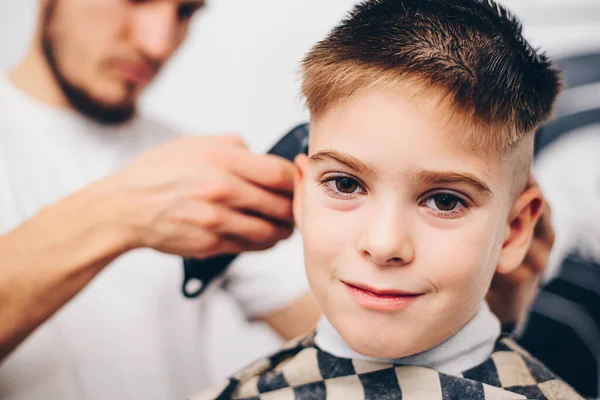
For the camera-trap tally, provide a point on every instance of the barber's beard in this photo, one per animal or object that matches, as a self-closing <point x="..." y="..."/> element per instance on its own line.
<point x="78" y="97"/>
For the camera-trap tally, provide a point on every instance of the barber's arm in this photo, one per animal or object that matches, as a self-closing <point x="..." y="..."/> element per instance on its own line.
<point x="195" y="197"/>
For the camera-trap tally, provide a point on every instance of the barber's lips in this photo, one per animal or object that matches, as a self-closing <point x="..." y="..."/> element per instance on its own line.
<point x="379" y="299"/>
<point x="135" y="73"/>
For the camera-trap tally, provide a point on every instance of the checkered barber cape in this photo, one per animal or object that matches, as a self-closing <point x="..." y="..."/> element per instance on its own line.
<point x="303" y="371"/>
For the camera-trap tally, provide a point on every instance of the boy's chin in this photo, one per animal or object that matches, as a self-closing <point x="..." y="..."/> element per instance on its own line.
<point x="384" y="343"/>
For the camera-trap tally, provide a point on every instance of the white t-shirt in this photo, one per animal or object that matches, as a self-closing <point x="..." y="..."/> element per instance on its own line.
<point x="129" y="334"/>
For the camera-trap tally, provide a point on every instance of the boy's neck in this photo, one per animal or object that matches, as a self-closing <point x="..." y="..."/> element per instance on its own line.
<point x="467" y="348"/>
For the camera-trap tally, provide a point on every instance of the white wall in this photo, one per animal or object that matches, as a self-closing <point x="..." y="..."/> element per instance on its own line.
<point x="17" y="20"/>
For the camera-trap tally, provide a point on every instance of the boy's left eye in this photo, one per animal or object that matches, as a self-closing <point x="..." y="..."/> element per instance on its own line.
<point x="445" y="203"/>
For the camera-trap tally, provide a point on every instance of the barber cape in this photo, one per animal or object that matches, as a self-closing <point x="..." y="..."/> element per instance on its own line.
<point x="301" y="370"/>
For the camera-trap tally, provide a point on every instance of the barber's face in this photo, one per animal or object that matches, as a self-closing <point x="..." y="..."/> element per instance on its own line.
<point x="105" y="52"/>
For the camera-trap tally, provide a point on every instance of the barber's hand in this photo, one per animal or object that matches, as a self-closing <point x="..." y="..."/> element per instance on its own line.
<point x="511" y="295"/>
<point x="205" y="196"/>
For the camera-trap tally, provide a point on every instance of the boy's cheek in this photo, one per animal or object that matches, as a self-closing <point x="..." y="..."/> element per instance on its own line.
<point x="457" y="261"/>
<point x="324" y="225"/>
<point x="327" y="240"/>
<point x="321" y="261"/>
<point x="323" y="234"/>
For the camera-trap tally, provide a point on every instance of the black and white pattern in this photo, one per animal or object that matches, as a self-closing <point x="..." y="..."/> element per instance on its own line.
<point x="302" y="371"/>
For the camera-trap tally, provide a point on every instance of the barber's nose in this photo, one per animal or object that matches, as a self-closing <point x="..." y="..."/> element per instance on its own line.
<point x="386" y="239"/>
<point x="155" y="31"/>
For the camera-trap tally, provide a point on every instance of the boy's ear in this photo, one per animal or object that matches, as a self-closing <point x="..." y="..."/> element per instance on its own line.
<point x="521" y="224"/>
<point x="300" y="162"/>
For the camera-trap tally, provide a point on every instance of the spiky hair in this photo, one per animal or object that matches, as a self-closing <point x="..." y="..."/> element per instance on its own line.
<point x="471" y="50"/>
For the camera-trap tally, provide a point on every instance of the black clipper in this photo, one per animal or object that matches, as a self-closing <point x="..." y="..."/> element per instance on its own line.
<point x="198" y="274"/>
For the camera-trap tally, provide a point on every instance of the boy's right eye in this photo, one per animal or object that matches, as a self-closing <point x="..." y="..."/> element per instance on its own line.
<point x="346" y="185"/>
<point x="343" y="187"/>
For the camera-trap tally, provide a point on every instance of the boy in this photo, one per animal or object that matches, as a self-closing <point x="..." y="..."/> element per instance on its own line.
<point x="414" y="193"/>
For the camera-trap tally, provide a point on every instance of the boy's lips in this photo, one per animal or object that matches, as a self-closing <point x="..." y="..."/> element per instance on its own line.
<point x="380" y="299"/>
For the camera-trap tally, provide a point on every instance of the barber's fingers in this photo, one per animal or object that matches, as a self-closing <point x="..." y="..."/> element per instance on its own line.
<point x="230" y="190"/>
<point x="272" y="172"/>
<point x="225" y="245"/>
<point x="205" y="230"/>
<point x="244" y="228"/>
<point x="215" y="245"/>
<point x="257" y="200"/>
<point x="231" y="152"/>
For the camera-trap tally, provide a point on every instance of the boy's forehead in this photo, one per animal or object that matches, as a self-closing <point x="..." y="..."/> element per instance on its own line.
<point x="425" y="106"/>
<point x="399" y="118"/>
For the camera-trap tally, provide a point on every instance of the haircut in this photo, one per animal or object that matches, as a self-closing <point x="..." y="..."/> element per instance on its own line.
<point x="472" y="51"/>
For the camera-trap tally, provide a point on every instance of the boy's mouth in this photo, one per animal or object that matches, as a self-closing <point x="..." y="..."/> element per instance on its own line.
<point x="380" y="299"/>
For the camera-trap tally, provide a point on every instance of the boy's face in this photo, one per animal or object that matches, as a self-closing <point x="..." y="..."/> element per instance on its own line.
<point x="403" y="227"/>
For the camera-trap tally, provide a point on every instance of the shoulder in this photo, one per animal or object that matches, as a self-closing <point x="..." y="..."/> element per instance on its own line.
<point x="263" y="375"/>
<point x="301" y="370"/>
<point x="513" y="369"/>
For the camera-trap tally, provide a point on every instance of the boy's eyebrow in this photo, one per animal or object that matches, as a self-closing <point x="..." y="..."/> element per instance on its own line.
<point x="434" y="177"/>
<point x="345" y="159"/>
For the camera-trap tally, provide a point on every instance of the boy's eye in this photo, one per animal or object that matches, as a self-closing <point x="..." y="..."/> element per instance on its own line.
<point x="346" y="185"/>
<point x="445" y="204"/>
<point x="445" y="201"/>
<point x="343" y="187"/>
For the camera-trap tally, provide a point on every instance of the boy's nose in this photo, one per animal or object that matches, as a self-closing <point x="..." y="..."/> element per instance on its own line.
<point x="387" y="241"/>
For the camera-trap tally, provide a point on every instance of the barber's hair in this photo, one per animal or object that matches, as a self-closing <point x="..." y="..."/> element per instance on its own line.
<point x="472" y="51"/>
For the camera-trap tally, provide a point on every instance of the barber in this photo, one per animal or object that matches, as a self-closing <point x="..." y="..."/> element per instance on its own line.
<point x="87" y="183"/>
